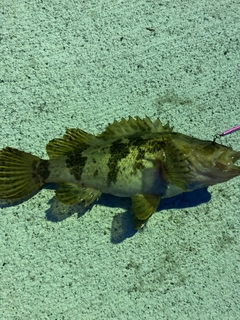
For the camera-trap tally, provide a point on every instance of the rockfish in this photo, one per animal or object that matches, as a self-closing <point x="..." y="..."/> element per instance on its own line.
<point x="136" y="158"/>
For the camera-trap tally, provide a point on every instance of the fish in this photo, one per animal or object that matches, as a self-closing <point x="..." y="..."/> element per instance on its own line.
<point x="134" y="157"/>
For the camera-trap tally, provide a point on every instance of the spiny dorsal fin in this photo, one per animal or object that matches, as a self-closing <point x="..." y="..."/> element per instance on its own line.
<point x="132" y="126"/>
<point x="74" y="138"/>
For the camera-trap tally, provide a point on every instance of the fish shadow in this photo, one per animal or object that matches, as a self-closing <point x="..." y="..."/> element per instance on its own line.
<point x="121" y="227"/>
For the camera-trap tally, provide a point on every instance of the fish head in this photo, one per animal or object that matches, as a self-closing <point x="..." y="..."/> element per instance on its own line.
<point x="209" y="163"/>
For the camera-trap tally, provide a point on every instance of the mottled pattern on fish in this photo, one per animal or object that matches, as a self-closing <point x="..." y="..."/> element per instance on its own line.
<point x="136" y="158"/>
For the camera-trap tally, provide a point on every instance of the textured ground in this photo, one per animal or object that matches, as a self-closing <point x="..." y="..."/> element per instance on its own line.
<point x="84" y="64"/>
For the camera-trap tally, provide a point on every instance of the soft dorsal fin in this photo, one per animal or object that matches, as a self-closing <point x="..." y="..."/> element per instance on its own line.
<point x="133" y="126"/>
<point x="73" y="138"/>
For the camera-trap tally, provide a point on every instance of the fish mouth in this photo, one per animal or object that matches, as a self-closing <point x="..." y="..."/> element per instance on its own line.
<point x="236" y="156"/>
<point x="214" y="167"/>
<point x="227" y="160"/>
<point x="225" y="167"/>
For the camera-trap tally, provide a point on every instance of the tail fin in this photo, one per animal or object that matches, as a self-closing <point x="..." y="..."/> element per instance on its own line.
<point x="21" y="174"/>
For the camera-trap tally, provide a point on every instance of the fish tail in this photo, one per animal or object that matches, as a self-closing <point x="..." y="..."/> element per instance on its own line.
<point x="21" y="174"/>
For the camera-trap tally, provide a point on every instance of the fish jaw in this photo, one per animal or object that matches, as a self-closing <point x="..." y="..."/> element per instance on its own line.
<point x="211" y="163"/>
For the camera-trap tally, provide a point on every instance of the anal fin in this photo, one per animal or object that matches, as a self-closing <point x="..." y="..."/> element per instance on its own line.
<point x="143" y="206"/>
<point x="70" y="193"/>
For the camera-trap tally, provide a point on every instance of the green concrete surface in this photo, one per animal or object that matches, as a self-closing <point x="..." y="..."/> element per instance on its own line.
<point x="68" y="64"/>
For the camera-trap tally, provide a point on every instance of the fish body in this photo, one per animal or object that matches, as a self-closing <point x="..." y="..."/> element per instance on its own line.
<point x="135" y="158"/>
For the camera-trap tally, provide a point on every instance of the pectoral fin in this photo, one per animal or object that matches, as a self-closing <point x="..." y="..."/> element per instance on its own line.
<point x="143" y="206"/>
<point x="70" y="193"/>
<point x="176" y="168"/>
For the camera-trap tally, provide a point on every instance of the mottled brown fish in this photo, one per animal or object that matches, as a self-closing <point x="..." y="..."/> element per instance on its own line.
<point x="135" y="158"/>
